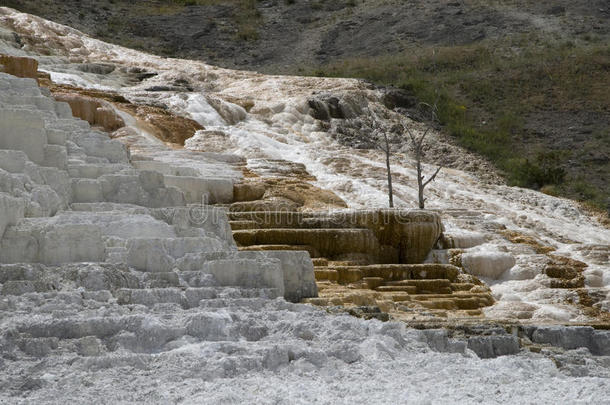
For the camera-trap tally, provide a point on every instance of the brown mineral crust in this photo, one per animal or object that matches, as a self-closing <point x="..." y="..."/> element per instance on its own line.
<point x="95" y="111"/>
<point x="19" y="66"/>
<point x="518" y="237"/>
<point x="168" y="127"/>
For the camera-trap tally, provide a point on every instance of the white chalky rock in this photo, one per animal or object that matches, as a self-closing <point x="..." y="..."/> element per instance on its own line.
<point x="86" y="190"/>
<point x="486" y="262"/>
<point x="461" y="240"/>
<point x="203" y="190"/>
<point x="23" y="130"/>
<point x="91" y="332"/>
<point x="297" y="270"/>
<point x="13" y="161"/>
<point x="51" y="242"/>
<point x="169" y="244"/>
<point x="165" y="168"/>
<point x="11" y="210"/>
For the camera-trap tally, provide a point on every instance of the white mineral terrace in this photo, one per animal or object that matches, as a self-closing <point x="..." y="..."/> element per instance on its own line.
<point x="278" y="126"/>
<point x="118" y="286"/>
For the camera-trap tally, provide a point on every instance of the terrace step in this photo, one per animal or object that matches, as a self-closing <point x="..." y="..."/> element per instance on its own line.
<point x="326" y="274"/>
<point x="20" y="287"/>
<point x="398" y="272"/>
<point x="461" y="286"/>
<point x="434" y="286"/>
<point x="453" y="304"/>
<point x="373" y="282"/>
<point x="94" y="171"/>
<point x="327" y="242"/>
<point x="320" y="261"/>
<point x="332" y="263"/>
<point x="311" y="250"/>
<point x="288" y="219"/>
<point x="187" y="297"/>
<point x="454" y="301"/>
<point x="243" y="225"/>
<point x="428" y="297"/>
<point x="405" y="288"/>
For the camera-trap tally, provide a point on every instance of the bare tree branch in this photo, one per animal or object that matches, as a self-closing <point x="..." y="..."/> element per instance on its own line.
<point x="433" y="176"/>
<point x="420" y="146"/>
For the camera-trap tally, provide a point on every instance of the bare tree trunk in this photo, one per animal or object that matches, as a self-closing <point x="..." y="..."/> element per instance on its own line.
<point x="420" y="181"/>
<point x="420" y="147"/>
<point x="382" y="141"/>
<point x="390" y="192"/>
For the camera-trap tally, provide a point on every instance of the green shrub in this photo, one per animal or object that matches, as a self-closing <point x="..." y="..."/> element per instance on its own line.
<point x="585" y="190"/>
<point x="591" y="196"/>
<point x="545" y="169"/>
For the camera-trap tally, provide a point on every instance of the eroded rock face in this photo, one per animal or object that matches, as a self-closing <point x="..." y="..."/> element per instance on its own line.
<point x="392" y="236"/>
<point x="327" y="106"/>
<point x="297" y="193"/>
<point x="357" y="257"/>
<point x="493" y="346"/>
<point x="11" y="210"/>
<point x="19" y="66"/>
<point x="412" y="233"/>
<point x="96" y="112"/>
<point x="299" y="280"/>
<point x="250" y="191"/>
<point x="571" y="338"/>
<point x="461" y="240"/>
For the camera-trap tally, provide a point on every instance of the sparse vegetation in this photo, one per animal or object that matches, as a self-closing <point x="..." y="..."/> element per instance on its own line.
<point x="246" y="17"/>
<point x="514" y="94"/>
<point x="487" y="92"/>
<point x="248" y="20"/>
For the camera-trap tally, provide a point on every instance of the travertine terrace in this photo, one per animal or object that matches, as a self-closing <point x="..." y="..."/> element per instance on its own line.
<point x="172" y="232"/>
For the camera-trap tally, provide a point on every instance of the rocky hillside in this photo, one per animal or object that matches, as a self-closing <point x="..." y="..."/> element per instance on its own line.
<point x="277" y="35"/>
<point x="522" y="83"/>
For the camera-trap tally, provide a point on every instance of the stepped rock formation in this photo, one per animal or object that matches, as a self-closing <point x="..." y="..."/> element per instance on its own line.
<point x="119" y="280"/>
<point x="387" y="236"/>
<point x="108" y="280"/>
<point x="60" y="163"/>
<point x="368" y="258"/>
<point x="264" y="126"/>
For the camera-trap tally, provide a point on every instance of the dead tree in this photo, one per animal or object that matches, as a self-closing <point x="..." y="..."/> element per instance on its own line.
<point x="419" y="147"/>
<point x="381" y="136"/>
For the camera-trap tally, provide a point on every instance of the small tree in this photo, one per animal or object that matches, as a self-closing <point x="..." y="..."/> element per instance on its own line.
<point x="419" y="147"/>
